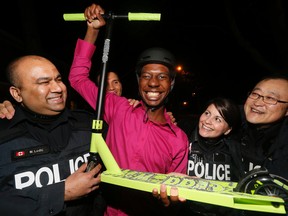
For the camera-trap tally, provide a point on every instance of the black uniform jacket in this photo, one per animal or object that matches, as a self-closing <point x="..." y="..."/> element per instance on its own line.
<point x="266" y="147"/>
<point x="37" y="154"/>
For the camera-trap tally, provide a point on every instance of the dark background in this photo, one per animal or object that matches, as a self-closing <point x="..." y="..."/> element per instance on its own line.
<point x="224" y="46"/>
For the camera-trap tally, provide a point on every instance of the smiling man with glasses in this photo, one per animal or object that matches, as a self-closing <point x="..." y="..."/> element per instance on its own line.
<point x="265" y="132"/>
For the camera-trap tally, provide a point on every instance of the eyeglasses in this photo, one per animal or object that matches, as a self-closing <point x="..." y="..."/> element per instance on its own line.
<point x="266" y="99"/>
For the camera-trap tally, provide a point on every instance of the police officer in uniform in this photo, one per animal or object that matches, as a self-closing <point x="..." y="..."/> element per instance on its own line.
<point x="265" y="134"/>
<point x="214" y="151"/>
<point x="44" y="148"/>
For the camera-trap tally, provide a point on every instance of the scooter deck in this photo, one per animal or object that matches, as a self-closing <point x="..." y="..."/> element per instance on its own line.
<point x="207" y="191"/>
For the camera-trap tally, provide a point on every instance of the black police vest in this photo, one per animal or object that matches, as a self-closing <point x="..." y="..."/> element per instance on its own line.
<point x="210" y="161"/>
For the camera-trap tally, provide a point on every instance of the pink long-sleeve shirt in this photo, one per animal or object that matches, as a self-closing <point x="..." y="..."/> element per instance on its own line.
<point x="136" y="142"/>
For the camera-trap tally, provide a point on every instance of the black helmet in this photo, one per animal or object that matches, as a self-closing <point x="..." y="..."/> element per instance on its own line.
<point x="156" y="55"/>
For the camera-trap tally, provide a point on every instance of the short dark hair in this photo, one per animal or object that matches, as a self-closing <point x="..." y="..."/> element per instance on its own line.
<point x="11" y="71"/>
<point x="275" y="76"/>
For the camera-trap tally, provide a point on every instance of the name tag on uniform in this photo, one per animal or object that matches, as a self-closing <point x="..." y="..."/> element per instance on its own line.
<point x="29" y="152"/>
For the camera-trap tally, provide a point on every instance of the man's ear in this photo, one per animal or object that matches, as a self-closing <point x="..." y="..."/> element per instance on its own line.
<point x="16" y="93"/>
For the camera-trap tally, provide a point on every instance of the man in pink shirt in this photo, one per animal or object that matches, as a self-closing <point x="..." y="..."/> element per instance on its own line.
<point x="140" y="138"/>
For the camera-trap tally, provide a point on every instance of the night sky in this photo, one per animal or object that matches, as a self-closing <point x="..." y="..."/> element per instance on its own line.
<point x="224" y="46"/>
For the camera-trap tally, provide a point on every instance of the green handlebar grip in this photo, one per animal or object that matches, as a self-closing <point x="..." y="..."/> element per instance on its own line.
<point x="74" y="17"/>
<point x="144" y="16"/>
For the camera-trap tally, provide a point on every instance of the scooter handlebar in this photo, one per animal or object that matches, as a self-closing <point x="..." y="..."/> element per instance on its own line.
<point x="130" y="16"/>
